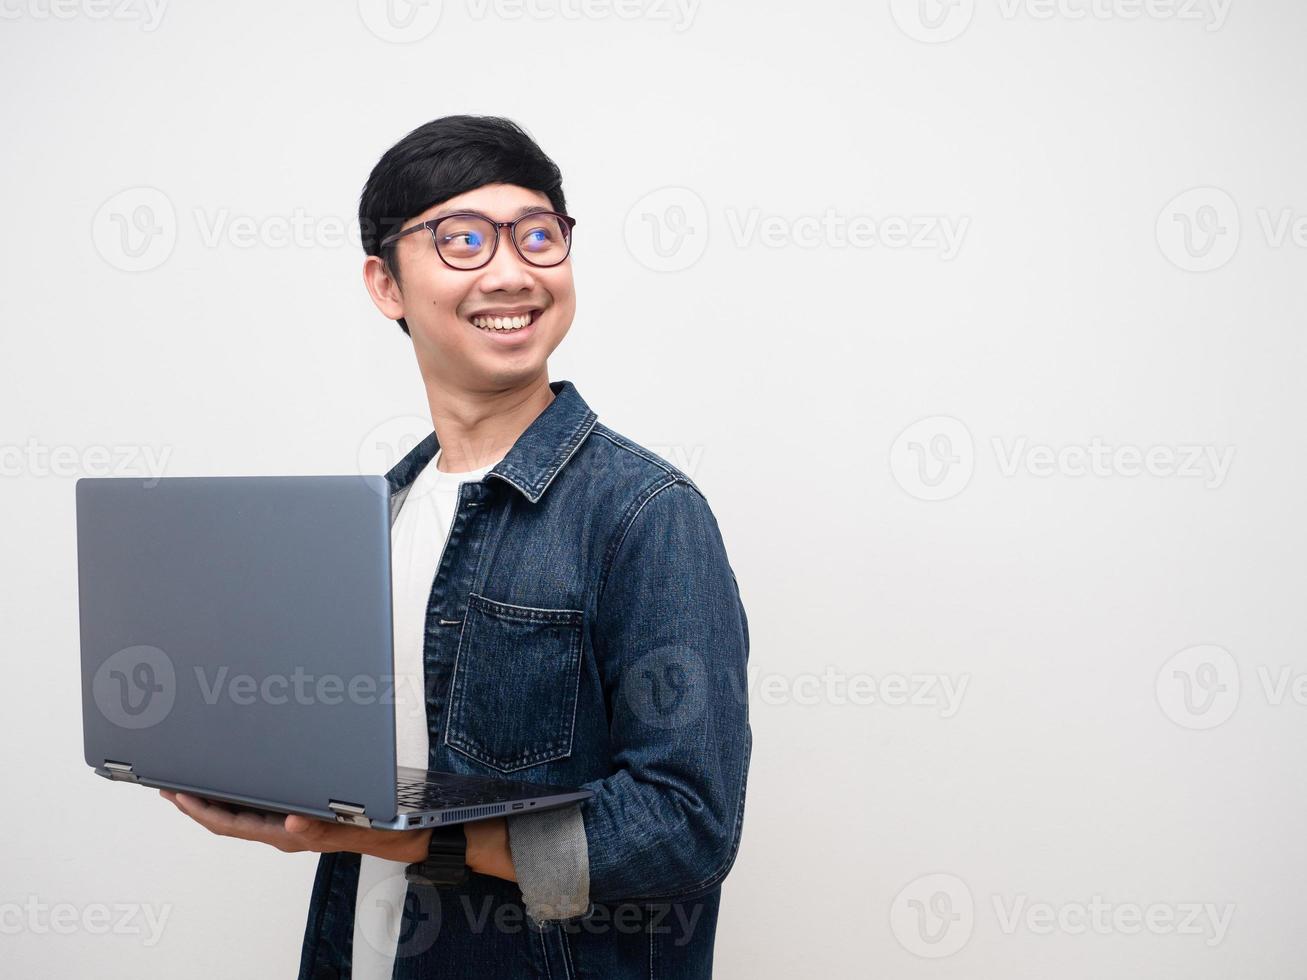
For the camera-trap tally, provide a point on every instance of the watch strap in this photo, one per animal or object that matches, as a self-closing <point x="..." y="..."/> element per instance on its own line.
<point x="446" y="860"/>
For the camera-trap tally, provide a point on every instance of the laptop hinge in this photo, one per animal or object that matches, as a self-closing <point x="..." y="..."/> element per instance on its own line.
<point x="120" y="770"/>
<point x="350" y="813"/>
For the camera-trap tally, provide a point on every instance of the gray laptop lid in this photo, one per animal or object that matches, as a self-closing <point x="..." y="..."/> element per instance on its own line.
<point x="236" y="635"/>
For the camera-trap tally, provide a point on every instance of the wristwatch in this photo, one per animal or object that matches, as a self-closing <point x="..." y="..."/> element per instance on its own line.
<point x="446" y="860"/>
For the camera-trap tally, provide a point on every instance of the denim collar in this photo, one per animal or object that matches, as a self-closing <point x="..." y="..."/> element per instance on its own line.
<point x="537" y="456"/>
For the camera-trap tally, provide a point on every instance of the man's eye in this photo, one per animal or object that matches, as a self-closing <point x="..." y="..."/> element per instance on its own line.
<point x="466" y="238"/>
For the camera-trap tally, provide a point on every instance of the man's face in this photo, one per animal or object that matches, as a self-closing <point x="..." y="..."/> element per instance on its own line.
<point x="439" y="304"/>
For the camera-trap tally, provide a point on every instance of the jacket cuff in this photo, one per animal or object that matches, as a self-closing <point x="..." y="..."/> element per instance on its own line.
<point x="552" y="862"/>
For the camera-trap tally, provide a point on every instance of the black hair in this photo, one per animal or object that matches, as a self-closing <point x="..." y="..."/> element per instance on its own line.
<point x="442" y="159"/>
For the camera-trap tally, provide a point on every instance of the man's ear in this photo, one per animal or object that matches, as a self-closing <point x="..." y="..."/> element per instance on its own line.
<point x="383" y="288"/>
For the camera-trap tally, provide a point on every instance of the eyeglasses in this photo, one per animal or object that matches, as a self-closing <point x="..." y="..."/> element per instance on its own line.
<point x="468" y="240"/>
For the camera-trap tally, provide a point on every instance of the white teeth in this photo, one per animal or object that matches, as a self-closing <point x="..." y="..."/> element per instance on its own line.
<point x="502" y="322"/>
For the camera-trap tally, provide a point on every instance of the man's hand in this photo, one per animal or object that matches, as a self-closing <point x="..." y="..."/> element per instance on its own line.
<point x="487" y="840"/>
<point x="487" y="848"/>
<point x="293" y="832"/>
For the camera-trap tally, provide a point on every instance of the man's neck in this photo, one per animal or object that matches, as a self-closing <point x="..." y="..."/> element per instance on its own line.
<point x="477" y="428"/>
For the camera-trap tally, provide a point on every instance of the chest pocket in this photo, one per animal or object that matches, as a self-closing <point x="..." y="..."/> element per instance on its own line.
<point x="512" y="702"/>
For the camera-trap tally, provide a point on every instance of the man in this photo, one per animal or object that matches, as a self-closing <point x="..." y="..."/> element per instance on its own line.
<point x="562" y="601"/>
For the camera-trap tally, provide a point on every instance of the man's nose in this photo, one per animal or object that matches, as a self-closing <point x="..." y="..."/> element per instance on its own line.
<point x="507" y="271"/>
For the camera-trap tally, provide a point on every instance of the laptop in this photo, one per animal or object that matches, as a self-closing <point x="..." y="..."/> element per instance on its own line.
<point x="236" y="644"/>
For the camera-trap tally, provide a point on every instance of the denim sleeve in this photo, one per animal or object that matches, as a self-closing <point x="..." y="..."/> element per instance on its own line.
<point x="671" y="641"/>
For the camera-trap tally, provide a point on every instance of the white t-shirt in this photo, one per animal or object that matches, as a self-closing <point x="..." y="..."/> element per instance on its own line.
<point x="417" y="541"/>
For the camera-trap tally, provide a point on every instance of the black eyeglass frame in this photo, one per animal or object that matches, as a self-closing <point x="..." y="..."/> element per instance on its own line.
<point x="432" y="224"/>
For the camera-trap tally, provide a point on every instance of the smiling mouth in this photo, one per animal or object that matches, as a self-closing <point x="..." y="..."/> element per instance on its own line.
<point x="505" y="323"/>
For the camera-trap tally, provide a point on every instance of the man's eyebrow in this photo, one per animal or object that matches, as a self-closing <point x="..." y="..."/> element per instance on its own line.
<point x="526" y="209"/>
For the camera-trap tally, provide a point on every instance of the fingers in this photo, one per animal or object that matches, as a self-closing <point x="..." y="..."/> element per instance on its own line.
<point x="317" y="835"/>
<point x="291" y="833"/>
<point x="218" y="819"/>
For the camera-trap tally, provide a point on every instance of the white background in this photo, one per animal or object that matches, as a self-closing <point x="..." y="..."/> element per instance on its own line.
<point x="782" y="371"/>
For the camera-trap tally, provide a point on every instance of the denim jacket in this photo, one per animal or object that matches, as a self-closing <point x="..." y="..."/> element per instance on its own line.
<point x="584" y="629"/>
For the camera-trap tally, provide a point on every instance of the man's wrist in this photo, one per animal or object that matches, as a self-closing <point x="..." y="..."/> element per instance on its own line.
<point x="410" y="846"/>
<point x="487" y="848"/>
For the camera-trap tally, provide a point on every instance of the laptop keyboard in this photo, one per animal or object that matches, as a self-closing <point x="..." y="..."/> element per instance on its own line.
<point x="441" y="791"/>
